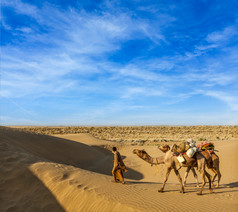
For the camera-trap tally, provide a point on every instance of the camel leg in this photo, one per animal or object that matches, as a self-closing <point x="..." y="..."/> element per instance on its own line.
<point x="165" y="179"/>
<point x="180" y="180"/>
<point x="195" y="176"/>
<point x="218" y="173"/>
<point x="216" y="168"/>
<point x="209" y="179"/>
<point x="215" y="174"/>
<point x="219" y="178"/>
<point x="185" y="176"/>
<point x="203" y="181"/>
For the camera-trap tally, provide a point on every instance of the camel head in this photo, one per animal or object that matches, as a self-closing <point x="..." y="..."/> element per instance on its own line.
<point x="164" y="148"/>
<point x="139" y="152"/>
<point x="143" y="155"/>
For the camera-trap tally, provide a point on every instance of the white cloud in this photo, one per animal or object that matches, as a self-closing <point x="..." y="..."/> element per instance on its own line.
<point x="70" y="39"/>
<point x="229" y="99"/>
<point x="222" y="36"/>
<point x="26" y="30"/>
<point x="206" y="47"/>
<point x="209" y="77"/>
<point x="21" y="8"/>
<point x="130" y="92"/>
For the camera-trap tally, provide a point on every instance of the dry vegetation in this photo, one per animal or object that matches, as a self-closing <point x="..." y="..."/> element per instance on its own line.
<point x="146" y="134"/>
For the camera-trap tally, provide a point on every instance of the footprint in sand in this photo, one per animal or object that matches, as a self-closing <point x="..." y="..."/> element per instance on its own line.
<point x="60" y="177"/>
<point x="73" y="182"/>
<point x="65" y="176"/>
<point x="79" y="186"/>
<point x="86" y="188"/>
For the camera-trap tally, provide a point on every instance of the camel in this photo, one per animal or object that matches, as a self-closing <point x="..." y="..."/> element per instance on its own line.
<point x="171" y="162"/>
<point x="164" y="149"/>
<point x="213" y="165"/>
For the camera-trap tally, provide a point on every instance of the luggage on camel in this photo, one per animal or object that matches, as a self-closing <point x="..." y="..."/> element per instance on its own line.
<point x="189" y="147"/>
<point x="180" y="158"/>
<point x="191" y="143"/>
<point x="206" y="146"/>
<point x="191" y="151"/>
<point x="184" y="160"/>
<point x="185" y="151"/>
<point x="182" y="147"/>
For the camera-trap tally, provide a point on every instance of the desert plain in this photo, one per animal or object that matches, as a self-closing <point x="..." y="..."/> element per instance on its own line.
<point x="69" y="169"/>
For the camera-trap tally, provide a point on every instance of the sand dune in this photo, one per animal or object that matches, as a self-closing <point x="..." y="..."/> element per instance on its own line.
<point x="73" y="173"/>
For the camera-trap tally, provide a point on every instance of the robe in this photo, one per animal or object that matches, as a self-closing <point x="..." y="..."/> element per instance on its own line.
<point x="118" y="167"/>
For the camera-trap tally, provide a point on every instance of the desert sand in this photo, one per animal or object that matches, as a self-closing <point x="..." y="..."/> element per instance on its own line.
<point x="72" y="172"/>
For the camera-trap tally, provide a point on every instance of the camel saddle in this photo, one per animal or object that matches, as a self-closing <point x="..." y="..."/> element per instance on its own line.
<point x="206" y="146"/>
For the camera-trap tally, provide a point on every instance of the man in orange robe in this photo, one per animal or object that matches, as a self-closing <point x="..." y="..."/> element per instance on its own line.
<point x="118" y="167"/>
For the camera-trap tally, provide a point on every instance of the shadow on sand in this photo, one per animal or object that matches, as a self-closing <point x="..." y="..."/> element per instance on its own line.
<point x="15" y="176"/>
<point x="68" y="152"/>
<point x="20" y="189"/>
<point x="231" y="185"/>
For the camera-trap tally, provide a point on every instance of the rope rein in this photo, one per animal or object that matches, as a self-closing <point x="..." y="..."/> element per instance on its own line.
<point x="157" y="168"/>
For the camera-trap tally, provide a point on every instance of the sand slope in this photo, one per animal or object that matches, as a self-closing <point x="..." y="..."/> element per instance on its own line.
<point x="73" y="173"/>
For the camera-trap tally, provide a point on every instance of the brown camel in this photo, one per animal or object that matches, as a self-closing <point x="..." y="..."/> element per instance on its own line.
<point x="171" y="162"/>
<point x="213" y="164"/>
<point x="212" y="161"/>
<point x="165" y="148"/>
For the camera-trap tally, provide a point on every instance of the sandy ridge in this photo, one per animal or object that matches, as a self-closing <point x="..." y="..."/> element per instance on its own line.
<point x="145" y="134"/>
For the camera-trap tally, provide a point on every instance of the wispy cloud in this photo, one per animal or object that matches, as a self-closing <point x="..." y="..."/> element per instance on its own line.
<point x="131" y="92"/>
<point x="21" y="7"/>
<point x="115" y="55"/>
<point x="222" y="36"/>
<point x="229" y="99"/>
<point x="74" y="42"/>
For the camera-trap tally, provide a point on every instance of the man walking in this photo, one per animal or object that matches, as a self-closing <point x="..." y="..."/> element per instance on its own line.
<point x="118" y="167"/>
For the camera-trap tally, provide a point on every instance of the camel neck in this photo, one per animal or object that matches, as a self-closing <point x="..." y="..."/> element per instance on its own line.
<point x="159" y="160"/>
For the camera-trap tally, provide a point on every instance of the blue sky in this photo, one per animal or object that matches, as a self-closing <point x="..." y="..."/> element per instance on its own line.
<point x="129" y="62"/>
